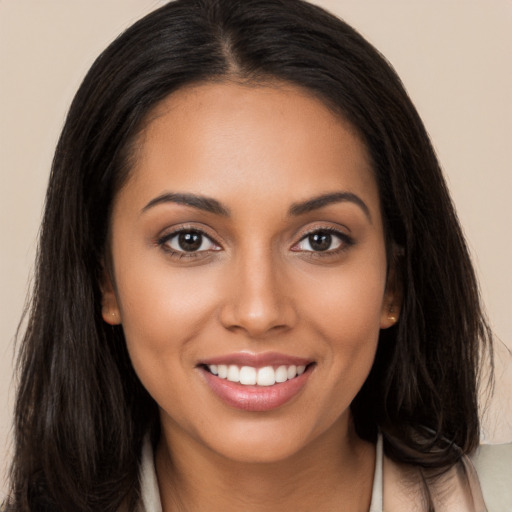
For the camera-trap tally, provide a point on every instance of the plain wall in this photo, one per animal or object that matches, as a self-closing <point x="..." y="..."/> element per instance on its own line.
<point x="454" y="57"/>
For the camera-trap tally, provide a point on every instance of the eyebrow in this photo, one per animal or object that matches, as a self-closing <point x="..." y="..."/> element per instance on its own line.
<point x="206" y="204"/>
<point x="327" y="199"/>
<point x="211" y="205"/>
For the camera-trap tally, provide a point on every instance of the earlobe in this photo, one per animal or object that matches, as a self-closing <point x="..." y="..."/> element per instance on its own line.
<point x="389" y="316"/>
<point x="110" y="316"/>
<point x="392" y="303"/>
<point x="109" y="306"/>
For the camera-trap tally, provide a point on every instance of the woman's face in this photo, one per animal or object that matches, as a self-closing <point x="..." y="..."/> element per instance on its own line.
<point x="249" y="269"/>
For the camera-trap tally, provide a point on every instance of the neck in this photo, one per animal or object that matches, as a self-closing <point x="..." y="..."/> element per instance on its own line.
<point x="332" y="473"/>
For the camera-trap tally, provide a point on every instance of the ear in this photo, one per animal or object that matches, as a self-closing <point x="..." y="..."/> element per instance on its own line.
<point x="392" y="302"/>
<point x="109" y="306"/>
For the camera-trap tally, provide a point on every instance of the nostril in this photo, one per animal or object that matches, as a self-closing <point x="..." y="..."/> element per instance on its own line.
<point x="257" y="321"/>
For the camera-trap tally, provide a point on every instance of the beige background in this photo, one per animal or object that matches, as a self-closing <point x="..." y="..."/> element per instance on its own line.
<point x="454" y="57"/>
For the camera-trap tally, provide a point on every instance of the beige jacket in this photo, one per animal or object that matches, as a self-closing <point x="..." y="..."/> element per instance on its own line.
<point x="482" y="483"/>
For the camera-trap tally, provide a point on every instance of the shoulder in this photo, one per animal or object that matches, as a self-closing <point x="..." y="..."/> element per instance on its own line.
<point x="408" y="488"/>
<point x="479" y="483"/>
<point x="493" y="465"/>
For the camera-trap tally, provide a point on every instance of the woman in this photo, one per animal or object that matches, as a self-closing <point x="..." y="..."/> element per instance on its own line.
<point x="251" y="282"/>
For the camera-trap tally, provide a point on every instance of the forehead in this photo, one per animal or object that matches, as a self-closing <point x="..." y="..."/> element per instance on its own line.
<point x="220" y="138"/>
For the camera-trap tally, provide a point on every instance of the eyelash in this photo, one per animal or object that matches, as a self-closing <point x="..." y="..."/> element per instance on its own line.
<point x="346" y="242"/>
<point x="163" y="241"/>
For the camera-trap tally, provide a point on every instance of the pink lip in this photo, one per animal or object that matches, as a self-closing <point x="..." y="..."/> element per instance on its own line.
<point x="257" y="360"/>
<point x="255" y="398"/>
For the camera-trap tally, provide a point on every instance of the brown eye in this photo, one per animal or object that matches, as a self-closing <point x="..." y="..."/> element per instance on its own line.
<point x="323" y="240"/>
<point x="190" y="241"/>
<point x="320" y="241"/>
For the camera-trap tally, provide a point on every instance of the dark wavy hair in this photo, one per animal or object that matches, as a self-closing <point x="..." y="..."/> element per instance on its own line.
<point x="81" y="412"/>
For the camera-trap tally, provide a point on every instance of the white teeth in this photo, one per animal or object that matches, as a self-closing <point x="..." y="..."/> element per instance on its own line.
<point x="249" y="376"/>
<point x="233" y="373"/>
<point x="266" y="376"/>
<point x="282" y="374"/>
<point x="222" y="370"/>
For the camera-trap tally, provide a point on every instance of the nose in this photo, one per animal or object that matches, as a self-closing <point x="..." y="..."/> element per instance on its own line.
<point x="258" y="302"/>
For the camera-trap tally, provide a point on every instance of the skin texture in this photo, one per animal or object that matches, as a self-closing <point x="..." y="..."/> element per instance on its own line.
<point x="254" y="286"/>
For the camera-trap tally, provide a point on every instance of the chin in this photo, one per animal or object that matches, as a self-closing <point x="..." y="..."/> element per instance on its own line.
<point x="269" y="441"/>
<point x="261" y="450"/>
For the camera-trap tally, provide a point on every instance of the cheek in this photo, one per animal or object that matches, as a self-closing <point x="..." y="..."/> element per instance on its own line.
<point x="162" y="308"/>
<point x="163" y="312"/>
<point x="346" y="312"/>
<point x="348" y="302"/>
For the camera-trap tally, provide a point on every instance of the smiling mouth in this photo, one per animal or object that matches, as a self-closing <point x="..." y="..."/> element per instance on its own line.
<point x="256" y="382"/>
<point x="252" y="376"/>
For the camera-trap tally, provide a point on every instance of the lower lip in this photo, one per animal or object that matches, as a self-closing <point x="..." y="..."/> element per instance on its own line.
<point x="256" y="398"/>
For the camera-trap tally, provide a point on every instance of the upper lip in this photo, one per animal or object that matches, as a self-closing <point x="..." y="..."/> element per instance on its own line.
<point x="257" y="360"/>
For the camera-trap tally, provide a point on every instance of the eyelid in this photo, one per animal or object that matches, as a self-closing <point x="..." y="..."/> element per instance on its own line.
<point x="205" y="240"/>
<point x="346" y="240"/>
<point x="162" y="241"/>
